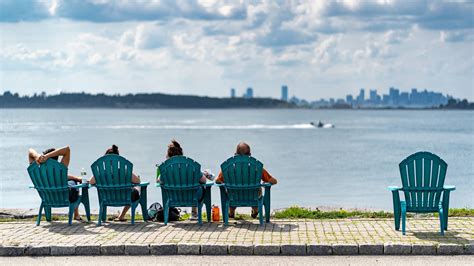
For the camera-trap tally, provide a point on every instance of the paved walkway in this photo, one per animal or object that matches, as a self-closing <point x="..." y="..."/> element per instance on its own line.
<point x="344" y="236"/>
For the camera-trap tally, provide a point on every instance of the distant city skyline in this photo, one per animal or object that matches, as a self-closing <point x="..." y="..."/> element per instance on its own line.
<point x="395" y="97"/>
<point x="319" y="49"/>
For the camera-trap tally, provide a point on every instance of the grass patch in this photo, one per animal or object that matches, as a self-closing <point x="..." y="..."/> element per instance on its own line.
<point x="296" y="212"/>
<point x="293" y="212"/>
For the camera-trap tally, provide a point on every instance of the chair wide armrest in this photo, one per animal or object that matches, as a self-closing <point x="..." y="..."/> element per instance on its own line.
<point x="208" y="184"/>
<point x="220" y="184"/>
<point x="157" y="184"/>
<point x="394" y="188"/>
<point x="142" y="184"/>
<point x="449" y="188"/>
<point x="266" y="184"/>
<point x="81" y="185"/>
<point x="31" y="186"/>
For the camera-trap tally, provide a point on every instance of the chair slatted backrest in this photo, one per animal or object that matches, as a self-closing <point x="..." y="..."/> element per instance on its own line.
<point x="180" y="178"/>
<point x="50" y="180"/>
<point x="242" y="176"/>
<point x="113" y="176"/>
<point x="423" y="175"/>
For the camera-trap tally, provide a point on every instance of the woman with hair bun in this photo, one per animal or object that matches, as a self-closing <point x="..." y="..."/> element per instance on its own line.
<point x="135" y="191"/>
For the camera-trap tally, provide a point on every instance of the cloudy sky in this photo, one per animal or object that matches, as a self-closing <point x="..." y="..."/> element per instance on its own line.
<point x="318" y="48"/>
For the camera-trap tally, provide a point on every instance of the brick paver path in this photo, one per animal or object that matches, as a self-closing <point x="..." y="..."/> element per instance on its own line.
<point x="353" y="231"/>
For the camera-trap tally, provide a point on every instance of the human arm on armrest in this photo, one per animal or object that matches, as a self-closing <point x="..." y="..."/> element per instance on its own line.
<point x="219" y="179"/>
<point x="135" y="179"/>
<point x="266" y="177"/>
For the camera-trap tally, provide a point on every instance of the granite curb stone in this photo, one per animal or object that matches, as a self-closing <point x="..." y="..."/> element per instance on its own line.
<point x="112" y="249"/>
<point x="88" y="250"/>
<point x="423" y="249"/>
<point x="319" y="249"/>
<point x="137" y="249"/>
<point x="469" y="249"/>
<point x="345" y="249"/>
<point x="189" y="249"/>
<point x="163" y="249"/>
<point x="240" y="249"/>
<point x="293" y="249"/>
<point x="40" y="250"/>
<point x="213" y="249"/>
<point x="371" y="249"/>
<point x="12" y="250"/>
<point x="450" y="249"/>
<point x="266" y="249"/>
<point x="396" y="249"/>
<point x="63" y="250"/>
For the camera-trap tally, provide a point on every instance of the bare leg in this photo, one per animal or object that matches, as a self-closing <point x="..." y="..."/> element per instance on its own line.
<point x="76" y="214"/>
<point x="124" y="211"/>
<point x="232" y="212"/>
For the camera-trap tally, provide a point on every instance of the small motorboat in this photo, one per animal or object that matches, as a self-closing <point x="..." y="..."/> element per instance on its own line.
<point x="322" y="125"/>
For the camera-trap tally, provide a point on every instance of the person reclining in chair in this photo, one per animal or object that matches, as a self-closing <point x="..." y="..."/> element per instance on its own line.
<point x="65" y="153"/>
<point x="244" y="149"/>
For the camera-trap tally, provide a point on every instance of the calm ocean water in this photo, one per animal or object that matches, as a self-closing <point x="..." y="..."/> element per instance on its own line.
<point x="347" y="166"/>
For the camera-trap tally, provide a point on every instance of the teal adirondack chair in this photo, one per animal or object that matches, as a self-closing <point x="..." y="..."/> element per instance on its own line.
<point x="50" y="180"/>
<point x="423" y="176"/>
<point x="180" y="187"/>
<point x="242" y="183"/>
<point x="113" y="176"/>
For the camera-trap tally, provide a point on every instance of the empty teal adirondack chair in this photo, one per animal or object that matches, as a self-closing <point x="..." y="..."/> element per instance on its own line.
<point x="113" y="176"/>
<point x="242" y="183"/>
<point x="50" y="180"/>
<point x="180" y="187"/>
<point x="423" y="176"/>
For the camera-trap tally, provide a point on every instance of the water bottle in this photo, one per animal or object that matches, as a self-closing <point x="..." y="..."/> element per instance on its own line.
<point x="209" y="175"/>
<point x="84" y="176"/>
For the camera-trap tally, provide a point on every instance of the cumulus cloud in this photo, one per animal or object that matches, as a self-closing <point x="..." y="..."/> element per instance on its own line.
<point x="457" y="36"/>
<point x="230" y="41"/>
<point x="115" y="11"/>
<point x="25" y="10"/>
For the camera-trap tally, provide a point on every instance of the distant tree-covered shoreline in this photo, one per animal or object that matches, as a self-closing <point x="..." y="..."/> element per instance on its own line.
<point x="139" y="100"/>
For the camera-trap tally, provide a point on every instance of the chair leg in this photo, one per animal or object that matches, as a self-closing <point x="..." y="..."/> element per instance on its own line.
<point x="207" y="202"/>
<point x="266" y="203"/>
<point x="71" y="213"/>
<point x="404" y="216"/>
<point x="446" y="208"/>
<point x="441" y="220"/>
<point x="48" y="213"/>
<point x="446" y="215"/>
<point x="143" y="196"/>
<point x="133" y="208"/>
<point x="38" y="220"/>
<point x="260" y="210"/>
<point x="85" y="202"/>
<point x="199" y="209"/>
<point x="166" y="212"/>
<point x="104" y="213"/>
<point x="225" y="213"/>
<point x="396" y="209"/>
<point x="101" y="212"/>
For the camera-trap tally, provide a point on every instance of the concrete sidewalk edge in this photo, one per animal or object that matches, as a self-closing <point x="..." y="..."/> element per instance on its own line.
<point x="242" y="249"/>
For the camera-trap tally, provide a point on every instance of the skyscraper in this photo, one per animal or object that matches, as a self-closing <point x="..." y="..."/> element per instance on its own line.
<point x="249" y="93"/>
<point x="284" y="93"/>
<point x="361" y="97"/>
<point x="232" y="93"/>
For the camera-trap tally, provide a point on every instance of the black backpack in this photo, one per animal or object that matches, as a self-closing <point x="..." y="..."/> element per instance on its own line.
<point x="156" y="213"/>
